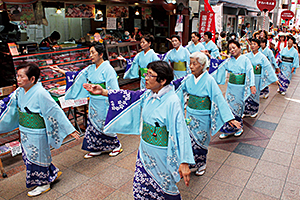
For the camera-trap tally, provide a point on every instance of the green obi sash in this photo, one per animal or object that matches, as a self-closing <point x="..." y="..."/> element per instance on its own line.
<point x="143" y="71"/>
<point x="199" y="103"/>
<point x="238" y="79"/>
<point x="103" y="85"/>
<point x="258" y="70"/>
<point x="179" y="66"/>
<point x="34" y="120"/>
<point x="154" y="135"/>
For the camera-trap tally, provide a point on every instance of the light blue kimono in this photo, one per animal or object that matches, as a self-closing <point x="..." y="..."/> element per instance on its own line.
<point x="195" y="48"/>
<point x="264" y="76"/>
<point x="98" y="105"/>
<point x="161" y="163"/>
<point x="35" y="141"/>
<point x="269" y="54"/>
<point x="182" y="55"/>
<point x="236" y="93"/>
<point x="204" y="123"/>
<point x="290" y="59"/>
<point x="212" y="49"/>
<point x="140" y="62"/>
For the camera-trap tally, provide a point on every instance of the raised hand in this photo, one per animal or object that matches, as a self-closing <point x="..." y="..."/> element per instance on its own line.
<point x="233" y="123"/>
<point x="75" y="135"/>
<point x="95" y="89"/>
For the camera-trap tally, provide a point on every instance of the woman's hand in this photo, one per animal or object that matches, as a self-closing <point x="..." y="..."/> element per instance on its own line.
<point x="277" y="70"/>
<point x="120" y="57"/>
<point x="293" y="69"/>
<point x="75" y="135"/>
<point x="57" y="69"/>
<point x="233" y="123"/>
<point x="185" y="173"/>
<point x="225" y="55"/>
<point x="253" y="89"/>
<point x="95" y="89"/>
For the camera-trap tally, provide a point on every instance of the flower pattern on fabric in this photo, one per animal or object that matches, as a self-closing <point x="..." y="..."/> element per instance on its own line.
<point x="284" y="81"/>
<point x="145" y="187"/>
<point x="199" y="154"/>
<point x="24" y="137"/>
<point x="166" y="180"/>
<point x="152" y="163"/>
<point x="34" y="152"/>
<point x="95" y="140"/>
<point x="121" y="103"/>
<point x="214" y="115"/>
<point x="251" y="107"/>
<point x="264" y="79"/>
<point x="54" y="133"/>
<point x="194" y="127"/>
<point x="247" y="86"/>
<point x="230" y="97"/>
<point x="173" y="158"/>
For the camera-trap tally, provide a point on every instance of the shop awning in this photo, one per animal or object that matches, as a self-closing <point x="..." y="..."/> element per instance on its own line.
<point x="249" y="5"/>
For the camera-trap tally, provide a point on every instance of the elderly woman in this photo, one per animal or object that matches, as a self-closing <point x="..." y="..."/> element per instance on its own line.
<point x="206" y="111"/>
<point x="165" y="150"/>
<point x="196" y="46"/>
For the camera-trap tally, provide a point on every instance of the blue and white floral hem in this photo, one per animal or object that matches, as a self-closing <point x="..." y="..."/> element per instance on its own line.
<point x="200" y="154"/>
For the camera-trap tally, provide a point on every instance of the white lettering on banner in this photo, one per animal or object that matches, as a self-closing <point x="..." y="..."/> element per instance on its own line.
<point x="72" y="103"/>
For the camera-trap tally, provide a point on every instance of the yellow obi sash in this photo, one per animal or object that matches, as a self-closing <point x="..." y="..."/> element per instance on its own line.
<point x="34" y="120"/>
<point x="238" y="79"/>
<point x="199" y="103"/>
<point x="179" y="66"/>
<point x="143" y="71"/>
<point x="155" y="135"/>
<point x="258" y="70"/>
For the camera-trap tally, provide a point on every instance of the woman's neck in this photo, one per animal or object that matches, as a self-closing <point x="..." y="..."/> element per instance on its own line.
<point x="28" y="88"/>
<point x="196" y="42"/>
<point x="146" y="50"/>
<point x="98" y="63"/>
<point x="255" y="52"/>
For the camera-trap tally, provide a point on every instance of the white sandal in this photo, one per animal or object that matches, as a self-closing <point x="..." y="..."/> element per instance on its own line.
<point x="39" y="190"/>
<point x="116" y="151"/>
<point x="92" y="154"/>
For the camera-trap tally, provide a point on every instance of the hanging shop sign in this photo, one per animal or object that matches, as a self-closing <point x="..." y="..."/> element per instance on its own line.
<point x="79" y="10"/>
<point x="20" y="12"/>
<point x="266" y="5"/>
<point x="207" y="23"/>
<point x="287" y="15"/>
<point x="117" y="11"/>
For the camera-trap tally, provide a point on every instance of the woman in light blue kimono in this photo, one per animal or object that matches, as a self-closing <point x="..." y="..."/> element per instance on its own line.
<point x="165" y="150"/>
<point x="99" y="73"/>
<point x="264" y="76"/>
<point x="240" y="85"/>
<point x="141" y="61"/>
<point x="196" y="46"/>
<point x="206" y="111"/>
<point x="179" y="58"/>
<point x="41" y="123"/>
<point x="288" y="63"/>
<point x="269" y="54"/>
<point x="210" y="46"/>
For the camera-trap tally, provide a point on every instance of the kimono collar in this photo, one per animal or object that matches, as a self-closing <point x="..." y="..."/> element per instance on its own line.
<point x="160" y="93"/>
<point x="199" y="77"/>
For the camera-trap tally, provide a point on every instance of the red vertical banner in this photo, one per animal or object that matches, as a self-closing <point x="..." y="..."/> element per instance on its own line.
<point x="207" y="23"/>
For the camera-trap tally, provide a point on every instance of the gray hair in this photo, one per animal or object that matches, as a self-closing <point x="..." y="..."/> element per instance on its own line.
<point x="201" y="58"/>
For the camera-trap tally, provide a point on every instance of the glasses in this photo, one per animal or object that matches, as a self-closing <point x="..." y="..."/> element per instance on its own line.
<point x="148" y="75"/>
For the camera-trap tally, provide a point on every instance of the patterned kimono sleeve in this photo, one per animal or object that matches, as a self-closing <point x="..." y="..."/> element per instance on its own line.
<point x="132" y="68"/>
<point x="9" y="118"/>
<point x="76" y="90"/>
<point x="268" y="75"/>
<point x="70" y="77"/>
<point x="167" y="57"/>
<point x="124" y="112"/>
<point x="111" y="79"/>
<point x="179" y="144"/>
<point x="57" y="124"/>
<point x="272" y="59"/>
<point x="179" y="87"/>
<point x="250" y="78"/>
<point x="296" y="60"/>
<point x="220" y="111"/>
<point x="187" y="57"/>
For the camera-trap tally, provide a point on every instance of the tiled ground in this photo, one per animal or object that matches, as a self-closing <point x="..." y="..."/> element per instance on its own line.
<point x="262" y="164"/>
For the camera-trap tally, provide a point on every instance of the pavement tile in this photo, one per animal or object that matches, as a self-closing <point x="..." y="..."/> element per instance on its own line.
<point x="64" y="197"/>
<point x="271" y="169"/>
<point x="185" y="195"/>
<point x="241" y="162"/>
<point x="265" y="125"/>
<point x="226" y="146"/>
<point x="69" y="180"/>
<point x="281" y="146"/>
<point x="290" y="116"/>
<point x="277" y="157"/>
<point x="127" y="187"/>
<point x="290" y="122"/>
<point x="266" y="185"/>
<point x="90" y="190"/>
<point x="281" y="136"/>
<point x="252" y="195"/>
<point x="117" y="195"/>
<point x="52" y="194"/>
<point x="295" y="162"/>
<point x="197" y="183"/>
<point x="13" y="185"/>
<point x="201" y="198"/>
<point x="269" y="118"/>
<point x="114" y="176"/>
<point x="232" y="175"/>
<point x="128" y="162"/>
<point x="291" y="192"/>
<point x="294" y="176"/>
<point x="284" y="128"/>
<point x="260" y="142"/>
<point x="211" y="167"/>
<point x="68" y="158"/>
<point x="279" y="102"/>
<point x="249" y="150"/>
<point x="274" y="111"/>
<point x="219" y="190"/>
<point x="217" y="155"/>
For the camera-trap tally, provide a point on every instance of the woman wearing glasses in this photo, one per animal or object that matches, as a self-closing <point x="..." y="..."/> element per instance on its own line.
<point x="165" y="150"/>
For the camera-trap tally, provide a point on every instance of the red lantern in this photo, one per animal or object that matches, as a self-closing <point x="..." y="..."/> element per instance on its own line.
<point x="287" y="15"/>
<point x="266" y="5"/>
